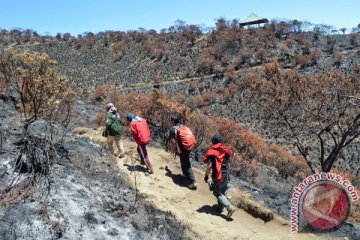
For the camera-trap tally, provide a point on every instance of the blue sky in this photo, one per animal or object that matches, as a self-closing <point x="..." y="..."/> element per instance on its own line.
<point x="79" y="16"/>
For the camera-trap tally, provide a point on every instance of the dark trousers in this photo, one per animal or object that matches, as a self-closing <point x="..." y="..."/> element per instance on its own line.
<point x="186" y="165"/>
<point x="141" y="149"/>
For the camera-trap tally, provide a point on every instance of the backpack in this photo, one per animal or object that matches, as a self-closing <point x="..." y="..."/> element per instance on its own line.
<point x="116" y="127"/>
<point x="186" y="137"/>
<point x="113" y="125"/>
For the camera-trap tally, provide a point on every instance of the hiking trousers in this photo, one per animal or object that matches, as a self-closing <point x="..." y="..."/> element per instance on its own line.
<point x="118" y="143"/>
<point x="141" y="149"/>
<point x="219" y="192"/>
<point x="186" y="165"/>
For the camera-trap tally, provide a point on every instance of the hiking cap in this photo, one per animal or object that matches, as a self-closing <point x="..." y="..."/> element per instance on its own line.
<point x="175" y="118"/>
<point x="130" y="117"/>
<point x="108" y="106"/>
<point x="216" y="138"/>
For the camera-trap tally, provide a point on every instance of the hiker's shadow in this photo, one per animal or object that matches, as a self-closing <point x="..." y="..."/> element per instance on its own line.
<point x="135" y="168"/>
<point x="213" y="210"/>
<point x="178" y="179"/>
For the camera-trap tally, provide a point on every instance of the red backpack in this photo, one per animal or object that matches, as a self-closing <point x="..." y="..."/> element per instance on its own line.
<point x="186" y="137"/>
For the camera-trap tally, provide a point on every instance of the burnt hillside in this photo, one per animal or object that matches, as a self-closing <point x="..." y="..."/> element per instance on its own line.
<point x="134" y="57"/>
<point x="205" y="70"/>
<point x="285" y="99"/>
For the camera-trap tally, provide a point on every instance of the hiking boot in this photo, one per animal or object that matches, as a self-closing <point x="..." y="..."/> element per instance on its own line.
<point x="230" y="213"/>
<point x="193" y="186"/>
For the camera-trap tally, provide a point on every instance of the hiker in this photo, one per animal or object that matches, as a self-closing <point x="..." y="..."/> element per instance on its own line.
<point x="185" y="141"/>
<point x="217" y="157"/>
<point x="114" y="130"/>
<point x="141" y="134"/>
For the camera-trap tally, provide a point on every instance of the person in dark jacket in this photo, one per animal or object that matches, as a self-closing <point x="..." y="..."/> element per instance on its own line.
<point x="217" y="157"/>
<point x="184" y="154"/>
<point x="141" y="134"/>
<point x="114" y="129"/>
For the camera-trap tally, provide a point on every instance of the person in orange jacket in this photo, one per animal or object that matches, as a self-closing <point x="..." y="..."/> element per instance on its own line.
<point x="183" y="153"/>
<point x="141" y="134"/>
<point x="217" y="157"/>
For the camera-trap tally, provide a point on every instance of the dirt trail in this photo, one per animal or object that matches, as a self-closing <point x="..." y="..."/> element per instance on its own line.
<point x="194" y="208"/>
<point x="172" y="81"/>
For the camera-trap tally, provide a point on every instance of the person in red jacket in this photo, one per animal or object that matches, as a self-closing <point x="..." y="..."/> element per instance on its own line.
<point x="217" y="157"/>
<point x="141" y="134"/>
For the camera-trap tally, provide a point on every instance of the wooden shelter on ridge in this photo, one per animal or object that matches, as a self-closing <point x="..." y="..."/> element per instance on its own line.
<point x="253" y="19"/>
